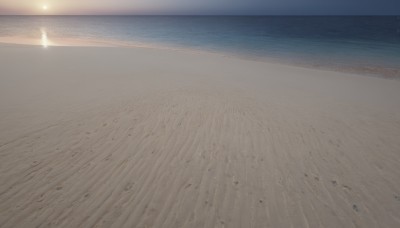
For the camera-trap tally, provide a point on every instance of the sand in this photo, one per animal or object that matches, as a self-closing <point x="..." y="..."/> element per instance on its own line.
<point x="141" y="137"/>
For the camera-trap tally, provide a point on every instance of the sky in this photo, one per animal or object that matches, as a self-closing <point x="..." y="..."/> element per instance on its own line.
<point x="202" y="7"/>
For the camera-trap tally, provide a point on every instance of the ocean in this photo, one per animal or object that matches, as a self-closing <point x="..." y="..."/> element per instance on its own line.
<point x="366" y="44"/>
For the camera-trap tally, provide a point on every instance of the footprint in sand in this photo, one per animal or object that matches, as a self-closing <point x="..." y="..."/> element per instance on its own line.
<point x="34" y="163"/>
<point x="188" y="185"/>
<point x="128" y="186"/>
<point x="108" y="157"/>
<point x="346" y="187"/>
<point x="41" y="198"/>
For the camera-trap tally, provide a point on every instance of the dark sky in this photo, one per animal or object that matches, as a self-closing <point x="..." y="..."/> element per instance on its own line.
<point x="340" y="7"/>
<point x="259" y="7"/>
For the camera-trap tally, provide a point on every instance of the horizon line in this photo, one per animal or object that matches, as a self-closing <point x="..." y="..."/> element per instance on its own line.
<point x="200" y="15"/>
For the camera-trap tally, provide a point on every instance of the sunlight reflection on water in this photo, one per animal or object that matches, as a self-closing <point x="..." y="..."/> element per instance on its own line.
<point x="44" y="39"/>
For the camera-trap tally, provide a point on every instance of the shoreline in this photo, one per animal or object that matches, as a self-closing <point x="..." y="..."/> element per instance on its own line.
<point x="372" y="71"/>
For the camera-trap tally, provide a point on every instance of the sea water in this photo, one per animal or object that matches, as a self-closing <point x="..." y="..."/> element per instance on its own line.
<point x="365" y="43"/>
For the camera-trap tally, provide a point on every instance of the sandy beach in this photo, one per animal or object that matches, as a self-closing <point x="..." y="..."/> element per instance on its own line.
<point x="142" y="137"/>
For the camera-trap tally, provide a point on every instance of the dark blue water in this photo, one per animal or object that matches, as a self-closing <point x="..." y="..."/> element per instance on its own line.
<point x="364" y="42"/>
